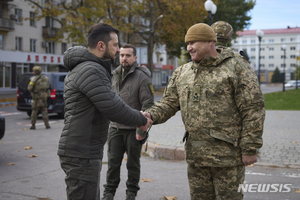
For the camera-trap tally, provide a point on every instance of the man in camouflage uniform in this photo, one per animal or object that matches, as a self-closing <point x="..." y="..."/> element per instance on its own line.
<point x="224" y="32"/>
<point x="222" y="108"/>
<point x="39" y="88"/>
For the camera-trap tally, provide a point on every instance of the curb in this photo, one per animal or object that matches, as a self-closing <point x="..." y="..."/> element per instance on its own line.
<point x="157" y="151"/>
<point x="154" y="150"/>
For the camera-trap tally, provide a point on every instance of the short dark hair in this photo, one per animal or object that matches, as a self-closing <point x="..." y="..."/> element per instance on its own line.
<point x="126" y="46"/>
<point x="99" y="32"/>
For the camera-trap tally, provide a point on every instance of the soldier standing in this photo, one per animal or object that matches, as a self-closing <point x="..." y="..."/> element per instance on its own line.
<point x="223" y="112"/>
<point x="39" y="87"/>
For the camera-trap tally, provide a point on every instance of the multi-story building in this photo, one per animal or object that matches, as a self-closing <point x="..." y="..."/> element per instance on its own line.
<point x="271" y="53"/>
<point x="26" y="43"/>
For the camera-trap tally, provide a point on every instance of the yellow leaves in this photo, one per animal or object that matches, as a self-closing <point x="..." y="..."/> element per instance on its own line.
<point x="28" y="147"/>
<point x="146" y="180"/>
<point x="293" y="142"/>
<point x="32" y="156"/>
<point x="9" y="164"/>
<point x="297" y="191"/>
<point x="170" y="197"/>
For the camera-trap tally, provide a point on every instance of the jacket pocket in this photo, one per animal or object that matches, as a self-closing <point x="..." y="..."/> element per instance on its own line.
<point x="231" y="137"/>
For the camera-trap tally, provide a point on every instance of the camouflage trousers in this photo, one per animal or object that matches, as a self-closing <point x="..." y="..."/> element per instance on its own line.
<point x="215" y="183"/>
<point x="39" y="104"/>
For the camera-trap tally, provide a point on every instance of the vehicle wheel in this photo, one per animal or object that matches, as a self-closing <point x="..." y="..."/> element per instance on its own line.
<point x="29" y="113"/>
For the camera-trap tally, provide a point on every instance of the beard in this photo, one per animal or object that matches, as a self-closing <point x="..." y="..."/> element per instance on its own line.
<point x="107" y="55"/>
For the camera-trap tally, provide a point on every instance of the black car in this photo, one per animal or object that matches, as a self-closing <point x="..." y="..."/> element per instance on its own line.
<point x="55" y="102"/>
<point x="2" y="127"/>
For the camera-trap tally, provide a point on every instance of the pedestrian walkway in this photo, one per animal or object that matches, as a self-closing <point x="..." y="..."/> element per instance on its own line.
<point x="281" y="141"/>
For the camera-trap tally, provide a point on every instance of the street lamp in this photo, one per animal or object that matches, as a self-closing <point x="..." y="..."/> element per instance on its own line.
<point x="297" y="65"/>
<point x="259" y="34"/>
<point x="211" y="8"/>
<point x="283" y="82"/>
<point x="150" y="56"/>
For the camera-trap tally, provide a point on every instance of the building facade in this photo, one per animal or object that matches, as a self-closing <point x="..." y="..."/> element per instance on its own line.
<point x="271" y="53"/>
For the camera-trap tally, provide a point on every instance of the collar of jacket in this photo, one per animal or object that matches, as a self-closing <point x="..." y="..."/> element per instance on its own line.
<point x="78" y="54"/>
<point x="209" y="61"/>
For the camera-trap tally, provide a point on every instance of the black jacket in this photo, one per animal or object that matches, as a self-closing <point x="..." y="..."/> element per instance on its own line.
<point x="90" y="103"/>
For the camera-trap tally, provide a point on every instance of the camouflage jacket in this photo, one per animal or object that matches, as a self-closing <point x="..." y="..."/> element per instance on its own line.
<point x="39" y="87"/>
<point x="222" y="108"/>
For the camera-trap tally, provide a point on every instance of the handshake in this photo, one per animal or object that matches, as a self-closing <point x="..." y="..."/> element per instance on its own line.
<point x="146" y="127"/>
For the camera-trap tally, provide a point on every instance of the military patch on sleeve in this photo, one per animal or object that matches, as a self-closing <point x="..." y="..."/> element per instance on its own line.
<point x="151" y="89"/>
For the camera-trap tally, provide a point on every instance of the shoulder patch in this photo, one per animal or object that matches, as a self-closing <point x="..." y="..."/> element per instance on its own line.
<point x="151" y="89"/>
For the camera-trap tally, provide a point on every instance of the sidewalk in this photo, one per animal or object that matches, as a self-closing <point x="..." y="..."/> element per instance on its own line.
<point x="281" y="137"/>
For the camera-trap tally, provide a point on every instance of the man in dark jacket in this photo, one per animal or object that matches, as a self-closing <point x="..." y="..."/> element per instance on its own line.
<point x="90" y="103"/>
<point x="133" y="85"/>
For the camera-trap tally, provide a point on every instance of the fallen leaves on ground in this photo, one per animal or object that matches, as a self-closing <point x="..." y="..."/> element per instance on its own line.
<point x="170" y="197"/>
<point x="157" y="144"/>
<point x="10" y="164"/>
<point x="32" y="156"/>
<point x="297" y="191"/>
<point x="24" y="129"/>
<point x="146" y="180"/>
<point x="293" y="142"/>
<point x="28" y="147"/>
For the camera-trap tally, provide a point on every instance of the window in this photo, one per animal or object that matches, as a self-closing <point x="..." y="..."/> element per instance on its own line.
<point x="293" y="65"/>
<point x="271" y="49"/>
<point x="1" y="41"/>
<point x="262" y="65"/>
<point x="271" y="40"/>
<point x="32" y="19"/>
<point x="18" y="44"/>
<point x="293" y="48"/>
<point x="252" y="41"/>
<point x="293" y="39"/>
<point x="271" y="57"/>
<point x="32" y="45"/>
<point x="271" y="65"/>
<point x="282" y="57"/>
<point x="18" y="13"/>
<point x="49" y="22"/>
<point x="236" y="42"/>
<point x="262" y="57"/>
<point x="282" y="65"/>
<point x="283" y="39"/>
<point x="262" y="49"/>
<point x="252" y="49"/>
<point x="252" y="57"/>
<point x="50" y="47"/>
<point x="63" y="47"/>
<point x="244" y="41"/>
<point x="293" y="56"/>
<point x="262" y="41"/>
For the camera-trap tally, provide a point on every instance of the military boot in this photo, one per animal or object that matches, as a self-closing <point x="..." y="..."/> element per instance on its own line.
<point x="108" y="196"/>
<point x="47" y="127"/>
<point x="130" y="196"/>
<point x="32" y="127"/>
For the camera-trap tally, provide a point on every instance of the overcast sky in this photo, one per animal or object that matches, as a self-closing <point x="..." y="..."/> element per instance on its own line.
<point x="273" y="14"/>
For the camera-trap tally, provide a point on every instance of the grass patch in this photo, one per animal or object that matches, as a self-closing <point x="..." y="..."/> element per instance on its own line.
<point x="288" y="100"/>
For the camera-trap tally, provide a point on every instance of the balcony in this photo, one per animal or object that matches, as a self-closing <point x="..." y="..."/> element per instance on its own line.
<point x="6" y="24"/>
<point x="50" y="32"/>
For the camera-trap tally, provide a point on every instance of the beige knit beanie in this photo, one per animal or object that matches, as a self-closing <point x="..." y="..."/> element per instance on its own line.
<point x="200" y="32"/>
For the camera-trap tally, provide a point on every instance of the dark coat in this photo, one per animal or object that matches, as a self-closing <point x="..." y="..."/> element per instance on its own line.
<point x="90" y="103"/>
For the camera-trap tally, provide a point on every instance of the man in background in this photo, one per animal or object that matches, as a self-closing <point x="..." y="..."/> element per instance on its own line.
<point x="133" y="84"/>
<point x="39" y="87"/>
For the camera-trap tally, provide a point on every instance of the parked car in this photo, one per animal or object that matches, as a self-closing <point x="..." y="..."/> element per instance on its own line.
<point x="292" y="83"/>
<point x="55" y="101"/>
<point x="2" y="126"/>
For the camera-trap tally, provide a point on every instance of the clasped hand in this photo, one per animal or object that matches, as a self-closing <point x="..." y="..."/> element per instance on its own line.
<point x="145" y="128"/>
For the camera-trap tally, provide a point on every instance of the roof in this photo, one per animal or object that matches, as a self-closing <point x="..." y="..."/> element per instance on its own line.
<point x="271" y="31"/>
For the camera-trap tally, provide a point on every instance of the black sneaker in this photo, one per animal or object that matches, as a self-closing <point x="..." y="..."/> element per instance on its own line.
<point x="108" y="196"/>
<point x="130" y="196"/>
<point x="32" y="127"/>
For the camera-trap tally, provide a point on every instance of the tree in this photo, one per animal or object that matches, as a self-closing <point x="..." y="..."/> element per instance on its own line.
<point x="276" y="77"/>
